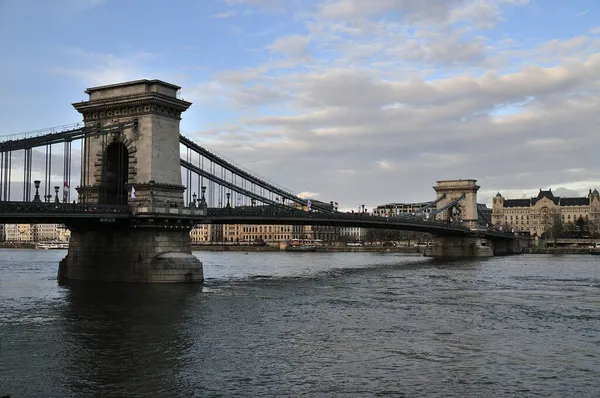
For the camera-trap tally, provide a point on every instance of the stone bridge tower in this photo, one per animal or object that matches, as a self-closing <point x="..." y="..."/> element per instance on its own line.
<point x="454" y="189"/>
<point x="145" y="156"/>
<point x="464" y="193"/>
<point x="137" y="163"/>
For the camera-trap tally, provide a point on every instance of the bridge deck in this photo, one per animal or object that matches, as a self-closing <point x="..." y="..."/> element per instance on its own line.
<point x="37" y="212"/>
<point x="58" y="213"/>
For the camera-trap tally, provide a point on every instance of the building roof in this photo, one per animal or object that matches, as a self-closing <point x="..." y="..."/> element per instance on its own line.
<point x="517" y="202"/>
<point x="574" y="201"/>
<point x="557" y="200"/>
<point x="545" y="194"/>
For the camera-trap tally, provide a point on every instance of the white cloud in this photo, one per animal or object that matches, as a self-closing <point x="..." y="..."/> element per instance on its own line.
<point x="438" y="47"/>
<point x="356" y="127"/>
<point x="97" y="69"/>
<point x="484" y="14"/>
<point x="225" y="14"/>
<point x="294" y="47"/>
<point x="359" y="9"/>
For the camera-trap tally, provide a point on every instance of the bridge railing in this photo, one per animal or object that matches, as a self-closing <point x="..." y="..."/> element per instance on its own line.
<point x="268" y="211"/>
<point x="40" y="132"/>
<point x="54" y="207"/>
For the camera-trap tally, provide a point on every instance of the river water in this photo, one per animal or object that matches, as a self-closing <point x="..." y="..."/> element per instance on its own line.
<point x="307" y="324"/>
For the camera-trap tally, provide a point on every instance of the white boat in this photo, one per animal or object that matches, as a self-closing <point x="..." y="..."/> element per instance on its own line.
<point x="304" y="245"/>
<point x="52" y="245"/>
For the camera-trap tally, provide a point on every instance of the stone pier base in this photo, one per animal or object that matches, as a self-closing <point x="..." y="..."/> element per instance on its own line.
<point x="127" y="254"/>
<point x="458" y="247"/>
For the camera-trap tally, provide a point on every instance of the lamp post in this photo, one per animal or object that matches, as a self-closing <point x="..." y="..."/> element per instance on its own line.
<point x="203" y="203"/>
<point x="36" y="198"/>
<point x="56" y="200"/>
<point x="193" y="204"/>
<point x="228" y="194"/>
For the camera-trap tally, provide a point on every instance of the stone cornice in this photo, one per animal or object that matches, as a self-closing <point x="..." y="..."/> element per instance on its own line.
<point x="457" y="189"/>
<point x="153" y="185"/>
<point x="131" y="106"/>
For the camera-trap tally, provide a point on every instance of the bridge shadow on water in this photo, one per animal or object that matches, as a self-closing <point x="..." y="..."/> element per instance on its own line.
<point x="121" y="336"/>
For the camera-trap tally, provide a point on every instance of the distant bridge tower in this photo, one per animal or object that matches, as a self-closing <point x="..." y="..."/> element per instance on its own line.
<point x="453" y="190"/>
<point x="460" y="195"/>
<point x="137" y="166"/>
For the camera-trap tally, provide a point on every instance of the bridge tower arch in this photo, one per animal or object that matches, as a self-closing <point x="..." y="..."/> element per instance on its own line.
<point x="115" y="174"/>
<point x="133" y="159"/>
<point x="449" y="191"/>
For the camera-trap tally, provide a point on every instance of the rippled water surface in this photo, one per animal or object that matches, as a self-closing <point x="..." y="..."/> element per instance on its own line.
<point x="310" y="324"/>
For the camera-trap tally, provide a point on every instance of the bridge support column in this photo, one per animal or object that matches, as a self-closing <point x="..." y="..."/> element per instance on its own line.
<point x="445" y="247"/>
<point x="504" y="247"/>
<point x="127" y="254"/>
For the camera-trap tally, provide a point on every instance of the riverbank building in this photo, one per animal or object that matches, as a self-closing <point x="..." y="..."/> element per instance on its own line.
<point x="535" y="215"/>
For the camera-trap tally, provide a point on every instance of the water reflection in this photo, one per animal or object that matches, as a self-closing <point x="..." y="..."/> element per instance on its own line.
<point x="126" y="339"/>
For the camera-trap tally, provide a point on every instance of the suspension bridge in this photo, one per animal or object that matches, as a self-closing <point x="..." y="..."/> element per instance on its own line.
<point x="141" y="186"/>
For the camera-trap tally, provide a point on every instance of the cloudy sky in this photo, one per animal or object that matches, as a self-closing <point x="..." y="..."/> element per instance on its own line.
<point x="357" y="101"/>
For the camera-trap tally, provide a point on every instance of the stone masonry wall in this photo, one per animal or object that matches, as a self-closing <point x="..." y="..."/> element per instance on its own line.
<point x="455" y="247"/>
<point x="131" y="255"/>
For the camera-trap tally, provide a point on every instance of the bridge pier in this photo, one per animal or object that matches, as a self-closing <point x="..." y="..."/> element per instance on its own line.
<point x="451" y="247"/>
<point x="505" y="247"/>
<point x="146" y="254"/>
<point x="137" y="166"/>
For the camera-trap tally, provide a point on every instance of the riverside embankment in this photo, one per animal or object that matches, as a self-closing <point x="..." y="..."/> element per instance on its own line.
<point x="334" y="249"/>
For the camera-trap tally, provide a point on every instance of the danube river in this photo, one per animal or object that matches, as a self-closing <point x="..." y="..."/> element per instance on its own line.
<point x="310" y="324"/>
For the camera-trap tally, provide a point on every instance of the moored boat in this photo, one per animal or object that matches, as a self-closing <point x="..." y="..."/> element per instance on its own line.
<point x="304" y="245"/>
<point x="52" y="245"/>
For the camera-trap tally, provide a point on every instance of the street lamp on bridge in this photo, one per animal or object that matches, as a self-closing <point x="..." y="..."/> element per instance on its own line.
<point x="36" y="198"/>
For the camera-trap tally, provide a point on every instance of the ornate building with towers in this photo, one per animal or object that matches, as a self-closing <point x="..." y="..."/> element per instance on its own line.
<point x="536" y="215"/>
